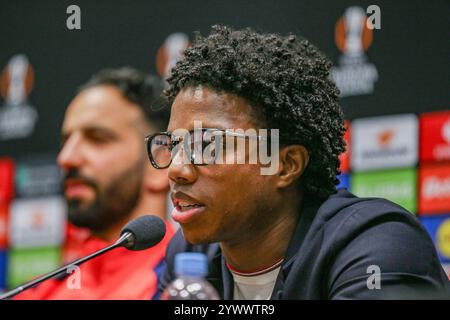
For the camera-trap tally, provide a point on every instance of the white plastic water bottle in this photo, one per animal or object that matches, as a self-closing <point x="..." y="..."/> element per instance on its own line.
<point x="190" y="269"/>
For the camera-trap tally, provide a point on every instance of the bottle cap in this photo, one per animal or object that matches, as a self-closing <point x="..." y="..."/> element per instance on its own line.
<point x="191" y="264"/>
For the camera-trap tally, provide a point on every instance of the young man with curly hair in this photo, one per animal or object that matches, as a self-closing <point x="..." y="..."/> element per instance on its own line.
<point x="291" y="234"/>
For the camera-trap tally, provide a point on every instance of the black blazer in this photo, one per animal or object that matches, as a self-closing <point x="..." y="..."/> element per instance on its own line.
<point x="332" y="249"/>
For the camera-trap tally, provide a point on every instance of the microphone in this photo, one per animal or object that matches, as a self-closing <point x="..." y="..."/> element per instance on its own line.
<point x="142" y="233"/>
<point x="139" y="234"/>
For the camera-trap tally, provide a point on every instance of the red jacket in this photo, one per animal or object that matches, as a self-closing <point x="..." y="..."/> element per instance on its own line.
<point x="117" y="274"/>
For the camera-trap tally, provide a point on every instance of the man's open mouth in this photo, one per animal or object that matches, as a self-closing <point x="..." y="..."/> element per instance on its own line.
<point x="183" y="206"/>
<point x="186" y="207"/>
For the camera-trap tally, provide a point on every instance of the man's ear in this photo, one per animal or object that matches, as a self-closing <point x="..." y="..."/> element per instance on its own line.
<point x="155" y="180"/>
<point x="293" y="161"/>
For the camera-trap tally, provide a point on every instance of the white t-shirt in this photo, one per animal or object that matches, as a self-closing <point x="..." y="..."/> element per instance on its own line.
<point x="257" y="287"/>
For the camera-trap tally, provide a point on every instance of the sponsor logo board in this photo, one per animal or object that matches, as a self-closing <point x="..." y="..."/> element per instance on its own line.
<point x="434" y="189"/>
<point x="25" y="264"/>
<point x="435" y="136"/>
<point x="398" y="186"/>
<point x="37" y="222"/>
<point x="384" y="142"/>
<point x="439" y="229"/>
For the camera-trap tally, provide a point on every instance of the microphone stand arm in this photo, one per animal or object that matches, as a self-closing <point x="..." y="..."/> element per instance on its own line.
<point x="125" y="240"/>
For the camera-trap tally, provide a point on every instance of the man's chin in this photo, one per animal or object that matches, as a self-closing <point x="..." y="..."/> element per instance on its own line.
<point x="197" y="236"/>
<point x="81" y="222"/>
<point x="82" y="215"/>
<point x="79" y="204"/>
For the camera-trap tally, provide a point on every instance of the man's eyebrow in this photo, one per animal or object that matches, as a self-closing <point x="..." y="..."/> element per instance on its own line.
<point x="100" y="130"/>
<point x="92" y="130"/>
<point x="96" y="128"/>
<point x="216" y="127"/>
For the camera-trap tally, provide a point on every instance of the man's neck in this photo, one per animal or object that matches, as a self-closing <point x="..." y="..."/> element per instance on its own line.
<point x="264" y="248"/>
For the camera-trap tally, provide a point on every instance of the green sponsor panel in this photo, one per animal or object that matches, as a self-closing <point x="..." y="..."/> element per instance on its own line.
<point x="25" y="264"/>
<point x="399" y="186"/>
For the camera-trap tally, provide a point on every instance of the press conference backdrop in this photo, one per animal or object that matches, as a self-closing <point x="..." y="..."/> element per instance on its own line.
<point x="394" y="83"/>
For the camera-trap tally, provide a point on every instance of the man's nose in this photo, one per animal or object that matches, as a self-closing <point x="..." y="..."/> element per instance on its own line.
<point x="181" y="171"/>
<point x="70" y="156"/>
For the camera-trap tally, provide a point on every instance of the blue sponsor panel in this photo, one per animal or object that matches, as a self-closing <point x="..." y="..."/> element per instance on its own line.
<point x="3" y="264"/>
<point x="439" y="229"/>
<point x="344" y="181"/>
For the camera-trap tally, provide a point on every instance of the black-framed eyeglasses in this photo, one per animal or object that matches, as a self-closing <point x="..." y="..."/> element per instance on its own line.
<point x="201" y="146"/>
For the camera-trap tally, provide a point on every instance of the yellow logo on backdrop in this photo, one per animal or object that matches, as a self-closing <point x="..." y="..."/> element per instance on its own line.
<point x="443" y="238"/>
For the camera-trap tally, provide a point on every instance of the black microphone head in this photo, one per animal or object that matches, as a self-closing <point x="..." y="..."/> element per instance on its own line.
<point x="147" y="231"/>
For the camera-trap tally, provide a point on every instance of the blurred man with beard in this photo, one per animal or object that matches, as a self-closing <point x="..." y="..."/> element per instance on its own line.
<point x="109" y="182"/>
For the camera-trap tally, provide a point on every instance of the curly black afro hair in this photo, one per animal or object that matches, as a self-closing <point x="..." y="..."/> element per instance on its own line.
<point x="287" y="79"/>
